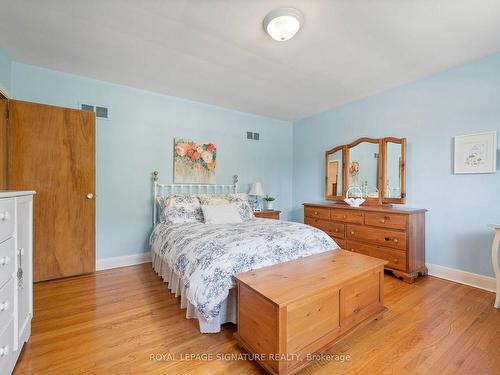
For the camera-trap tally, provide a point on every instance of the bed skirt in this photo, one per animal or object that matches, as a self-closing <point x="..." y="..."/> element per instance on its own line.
<point x="227" y="313"/>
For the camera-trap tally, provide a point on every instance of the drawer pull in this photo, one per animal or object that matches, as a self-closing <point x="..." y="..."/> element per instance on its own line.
<point x="4" y="306"/>
<point x="396" y="240"/>
<point x="4" y="216"/>
<point x="387" y="238"/>
<point x="315" y="212"/>
<point x="345" y="216"/>
<point x="395" y="260"/>
<point x="355" y="311"/>
<point x="4" y="260"/>
<point x="336" y="230"/>
<point x="4" y="350"/>
<point x="382" y="221"/>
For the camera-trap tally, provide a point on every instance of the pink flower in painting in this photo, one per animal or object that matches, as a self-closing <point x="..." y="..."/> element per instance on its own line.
<point x="207" y="157"/>
<point x="181" y="149"/>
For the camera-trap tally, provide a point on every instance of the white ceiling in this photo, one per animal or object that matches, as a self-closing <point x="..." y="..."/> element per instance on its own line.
<point x="216" y="51"/>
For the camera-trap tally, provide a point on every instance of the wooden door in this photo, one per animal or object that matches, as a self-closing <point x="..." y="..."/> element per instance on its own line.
<point x="52" y="151"/>
<point x="3" y="143"/>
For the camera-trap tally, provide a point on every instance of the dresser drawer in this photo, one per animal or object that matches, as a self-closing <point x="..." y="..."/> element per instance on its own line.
<point x="7" y="254"/>
<point x="396" y="258"/>
<point x="317" y="212"/>
<point x="6" y="346"/>
<point x="347" y="216"/>
<point x="6" y="303"/>
<point x="334" y="229"/>
<point x="384" y="237"/>
<point x="7" y="218"/>
<point x="386" y="220"/>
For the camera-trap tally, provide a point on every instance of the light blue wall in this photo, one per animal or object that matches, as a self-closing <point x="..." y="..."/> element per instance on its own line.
<point x="429" y="113"/>
<point x="138" y="139"/>
<point x="5" y="70"/>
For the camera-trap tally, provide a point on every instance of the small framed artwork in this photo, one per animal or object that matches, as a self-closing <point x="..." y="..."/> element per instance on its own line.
<point x="476" y="153"/>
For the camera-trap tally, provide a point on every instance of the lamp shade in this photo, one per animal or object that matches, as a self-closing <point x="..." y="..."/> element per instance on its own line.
<point x="256" y="189"/>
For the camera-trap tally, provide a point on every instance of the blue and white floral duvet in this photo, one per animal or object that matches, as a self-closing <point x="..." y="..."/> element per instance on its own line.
<point x="206" y="256"/>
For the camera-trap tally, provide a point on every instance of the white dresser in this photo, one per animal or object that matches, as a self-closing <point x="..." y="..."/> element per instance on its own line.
<point x="16" y="275"/>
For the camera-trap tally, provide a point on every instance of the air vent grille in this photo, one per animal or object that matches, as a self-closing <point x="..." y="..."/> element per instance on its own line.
<point x="100" y="112"/>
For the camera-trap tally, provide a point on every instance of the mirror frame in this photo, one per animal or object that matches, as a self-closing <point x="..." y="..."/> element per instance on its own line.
<point x="402" y="142"/>
<point x="382" y="172"/>
<point x="344" y="182"/>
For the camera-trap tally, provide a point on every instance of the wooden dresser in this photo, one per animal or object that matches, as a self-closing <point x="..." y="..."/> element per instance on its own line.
<point x="396" y="235"/>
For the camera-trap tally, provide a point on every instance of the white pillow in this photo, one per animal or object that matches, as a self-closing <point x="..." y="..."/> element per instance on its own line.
<point x="221" y="214"/>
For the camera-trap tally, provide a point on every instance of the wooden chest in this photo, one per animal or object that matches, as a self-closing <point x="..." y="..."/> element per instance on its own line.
<point x="396" y="235"/>
<point x="291" y="311"/>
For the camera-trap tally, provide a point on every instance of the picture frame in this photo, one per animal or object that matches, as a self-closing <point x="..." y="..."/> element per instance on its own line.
<point x="475" y="153"/>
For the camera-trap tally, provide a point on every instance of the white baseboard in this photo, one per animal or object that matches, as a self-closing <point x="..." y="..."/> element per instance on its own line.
<point x="462" y="277"/>
<point x="451" y="274"/>
<point x="123" y="261"/>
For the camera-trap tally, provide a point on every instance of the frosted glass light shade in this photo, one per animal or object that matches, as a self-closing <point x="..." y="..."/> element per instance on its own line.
<point x="256" y="189"/>
<point x="283" y="23"/>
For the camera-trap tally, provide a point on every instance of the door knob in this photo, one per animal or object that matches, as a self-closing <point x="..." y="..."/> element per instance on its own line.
<point x="90" y="196"/>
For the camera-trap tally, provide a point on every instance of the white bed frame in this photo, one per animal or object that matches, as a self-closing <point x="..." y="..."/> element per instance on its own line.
<point x="163" y="190"/>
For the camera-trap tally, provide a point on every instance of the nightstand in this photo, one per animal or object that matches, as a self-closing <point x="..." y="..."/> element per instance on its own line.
<point x="268" y="214"/>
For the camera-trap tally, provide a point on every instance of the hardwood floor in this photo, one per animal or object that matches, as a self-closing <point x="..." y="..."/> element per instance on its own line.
<point x="113" y="321"/>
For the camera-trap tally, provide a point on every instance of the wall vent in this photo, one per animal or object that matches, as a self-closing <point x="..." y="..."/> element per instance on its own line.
<point x="88" y="108"/>
<point x="253" y="136"/>
<point x="100" y="112"/>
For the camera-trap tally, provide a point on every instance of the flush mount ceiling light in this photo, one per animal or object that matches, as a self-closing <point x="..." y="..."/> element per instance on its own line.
<point x="283" y="23"/>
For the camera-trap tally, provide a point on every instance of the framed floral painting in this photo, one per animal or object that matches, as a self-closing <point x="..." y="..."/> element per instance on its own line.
<point x="476" y="153"/>
<point x="194" y="162"/>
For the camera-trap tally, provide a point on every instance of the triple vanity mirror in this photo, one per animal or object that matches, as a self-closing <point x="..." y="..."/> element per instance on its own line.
<point x="370" y="168"/>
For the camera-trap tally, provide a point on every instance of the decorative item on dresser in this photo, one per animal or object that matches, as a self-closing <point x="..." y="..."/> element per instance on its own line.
<point x="396" y="235"/>
<point x="293" y="310"/>
<point x="16" y="276"/>
<point x="268" y="214"/>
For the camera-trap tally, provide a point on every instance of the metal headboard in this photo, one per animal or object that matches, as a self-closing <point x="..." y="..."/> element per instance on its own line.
<point x="163" y="190"/>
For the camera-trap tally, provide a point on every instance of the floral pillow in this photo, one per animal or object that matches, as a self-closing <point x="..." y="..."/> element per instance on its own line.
<point x="180" y="208"/>
<point x="239" y="200"/>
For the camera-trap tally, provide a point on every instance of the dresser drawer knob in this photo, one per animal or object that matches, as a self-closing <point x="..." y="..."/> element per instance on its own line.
<point x="352" y="232"/>
<point x="345" y="216"/>
<point x="355" y="311"/>
<point x="315" y="212"/>
<point x="4" y="216"/>
<point x="4" y="260"/>
<point x="382" y="221"/>
<point x="396" y="240"/>
<point x="4" y="350"/>
<point x="4" y="306"/>
<point x="336" y="230"/>
<point x="395" y="260"/>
